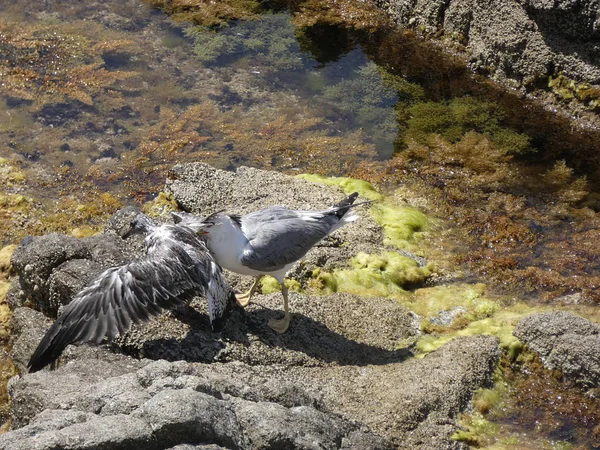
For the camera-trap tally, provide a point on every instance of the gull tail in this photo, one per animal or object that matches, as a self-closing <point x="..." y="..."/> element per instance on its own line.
<point x="340" y="211"/>
<point x="344" y="206"/>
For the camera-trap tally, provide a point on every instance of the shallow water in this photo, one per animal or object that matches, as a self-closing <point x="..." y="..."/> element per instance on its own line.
<point x="86" y="131"/>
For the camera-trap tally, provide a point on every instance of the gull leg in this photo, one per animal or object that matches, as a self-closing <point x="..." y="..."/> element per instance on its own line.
<point x="244" y="299"/>
<point x="282" y="325"/>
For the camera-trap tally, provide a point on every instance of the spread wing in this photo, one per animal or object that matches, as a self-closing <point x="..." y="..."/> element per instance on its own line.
<point x="119" y="297"/>
<point x="278" y="236"/>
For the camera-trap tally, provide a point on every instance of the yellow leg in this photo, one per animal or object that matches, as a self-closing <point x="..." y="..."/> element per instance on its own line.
<point x="282" y="325"/>
<point x="244" y="299"/>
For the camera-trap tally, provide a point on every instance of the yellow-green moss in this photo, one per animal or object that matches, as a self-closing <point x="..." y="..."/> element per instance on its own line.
<point x="84" y="231"/>
<point x="269" y="285"/>
<point x="431" y="301"/>
<point x="4" y="311"/>
<point x="5" y="255"/>
<point x="163" y="204"/>
<point x="349" y="185"/>
<point x="402" y="225"/>
<point x="385" y="275"/>
<point x="500" y="324"/>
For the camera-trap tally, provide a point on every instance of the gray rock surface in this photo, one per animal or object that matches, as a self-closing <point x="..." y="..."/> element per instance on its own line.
<point x="518" y="40"/>
<point x="338" y="379"/>
<point x="564" y="341"/>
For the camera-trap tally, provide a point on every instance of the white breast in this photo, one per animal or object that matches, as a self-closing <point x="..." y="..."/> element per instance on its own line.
<point x="226" y="242"/>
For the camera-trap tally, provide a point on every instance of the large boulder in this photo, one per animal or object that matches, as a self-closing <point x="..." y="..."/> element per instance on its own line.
<point x="514" y="39"/>
<point x="564" y="341"/>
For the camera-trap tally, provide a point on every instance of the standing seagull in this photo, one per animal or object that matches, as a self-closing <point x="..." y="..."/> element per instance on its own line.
<point x="268" y="242"/>
<point x="177" y="267"/>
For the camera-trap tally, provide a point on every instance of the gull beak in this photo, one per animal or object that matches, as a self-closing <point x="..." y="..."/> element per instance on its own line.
<point x="129" y="232"/>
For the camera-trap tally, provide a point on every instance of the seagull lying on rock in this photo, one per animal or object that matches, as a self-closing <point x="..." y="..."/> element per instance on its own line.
<point x="177" y="267"/>
<point x="268" y="242"/>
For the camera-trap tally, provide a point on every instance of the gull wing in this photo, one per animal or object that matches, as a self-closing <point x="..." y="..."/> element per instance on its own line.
<point x="279" y="236"/>
<point x="119" y="297"/>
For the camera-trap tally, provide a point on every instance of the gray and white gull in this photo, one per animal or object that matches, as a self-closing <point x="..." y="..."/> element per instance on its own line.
<point x="177" y="267"/>
<point x="268" y="242"/>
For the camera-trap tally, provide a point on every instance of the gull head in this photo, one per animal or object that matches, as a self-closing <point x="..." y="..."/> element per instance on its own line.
<point x="199" y="226"/>
<point x="140" y="224"/>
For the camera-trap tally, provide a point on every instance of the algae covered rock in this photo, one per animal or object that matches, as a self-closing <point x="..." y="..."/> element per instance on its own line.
<point x="564" y="341"/>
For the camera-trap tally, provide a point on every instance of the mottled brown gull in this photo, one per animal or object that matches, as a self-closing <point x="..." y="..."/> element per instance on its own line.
<point x="177" y="267"/>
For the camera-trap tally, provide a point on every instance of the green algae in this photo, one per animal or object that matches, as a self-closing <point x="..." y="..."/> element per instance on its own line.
<point x="161" y="205"/>
<point x="570" y="90"/>
<point x="476" y="429"/>
<point x="403" y="225"/>
<point x="389" y="275"/>
<point x="528" y="394"/>
<point x="208" y="13"/>
<point x="367" y="98"/>
<point x="348" y="185"/>
<point x="28" y="55"/>
<point x="453" y="119"/>
<point x="269" y="285"/>
<point x="268" y="42"/>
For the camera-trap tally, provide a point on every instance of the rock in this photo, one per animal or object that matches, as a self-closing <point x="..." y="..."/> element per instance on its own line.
<point x="338" y="379"/>
<point x="414" y="402"/>
<point x="411" y="403"/>
<point x="35" y="258"/>
<point x="51" y="269"/>
<point x="119" y="223"/>
<point x="322" y="332"/>
<point x="516" y="40"/>
<point x="564" y="341"/>
<point x="92" y="404"/>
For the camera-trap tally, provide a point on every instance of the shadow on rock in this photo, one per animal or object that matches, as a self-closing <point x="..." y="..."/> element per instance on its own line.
<point x="247" y="337"/>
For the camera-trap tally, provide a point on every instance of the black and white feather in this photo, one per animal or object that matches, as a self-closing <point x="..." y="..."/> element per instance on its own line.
<point x="177" y="267"/>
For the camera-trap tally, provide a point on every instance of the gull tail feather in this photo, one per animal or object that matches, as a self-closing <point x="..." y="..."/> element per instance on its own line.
<point x="344" y="206"/>
<point x="341" y="209"/>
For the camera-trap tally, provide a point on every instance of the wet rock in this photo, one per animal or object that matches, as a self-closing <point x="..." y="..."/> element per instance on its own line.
<point x="516" y="40"/>
<point x="564" y="341"/>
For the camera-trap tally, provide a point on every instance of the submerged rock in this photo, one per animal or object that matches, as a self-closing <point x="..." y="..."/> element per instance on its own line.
<point x="338" y="379"/>
<point x="564" y="341"/>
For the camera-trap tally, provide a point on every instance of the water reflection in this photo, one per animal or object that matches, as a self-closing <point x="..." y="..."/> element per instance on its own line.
<point x="322" y="65"/>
